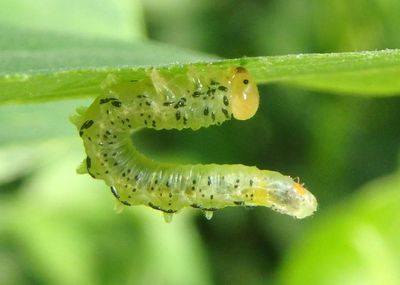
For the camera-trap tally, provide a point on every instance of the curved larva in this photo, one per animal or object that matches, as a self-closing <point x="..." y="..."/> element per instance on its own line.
<point x="162" y="100"/>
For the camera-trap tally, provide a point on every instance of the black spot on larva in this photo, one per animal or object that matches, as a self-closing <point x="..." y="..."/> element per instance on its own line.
<point x="213" y="116"/>
<point x="251" y="183"/>
<point x="116" y="103"/>
<point x="185" y="120"/>
<point x="148" y="103"/>
<point x="114" y="192"/>
<point x="145" y="122"/>
<point x="222" y="88"/>
<point x="213" y="82"/>
<point x="88" y="165"/>
<point x="167" y="184"/>
<point x="239" y="203"/>
<point x="153" y="123"/>
<point x="170" y="195"/>
<point x="156" y="181"/>
<point x="134" y="190"/>
<point x="125" y="203"/>
<point x="178" y="115"/>
<point x="206" y="111"/>
<point x="193" y="188"/>
<point x="194" y="181"/>
<point x="137" y="177"/>
<point x="202" y="208"/>
<point x="246" y="81"/>
<point x="211" y="91"/>
<point x="196" y="93"/>
<point x="106" y="100"/>
<point x="211" y="197"/>
<point x="209" y="181"/>
<point x="226" y="113"/>
<point x="123" y="174"/>
<point x="168" y="103"/>
<point x="180" y="103"/>
<point x="141" y="114"/>
<point x="169" y="211"/>
<point x="86" y="125"/>
<point x="226" y="101"/>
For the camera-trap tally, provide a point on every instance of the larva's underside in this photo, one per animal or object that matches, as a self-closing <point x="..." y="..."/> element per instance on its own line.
<point x="162" y="100"/>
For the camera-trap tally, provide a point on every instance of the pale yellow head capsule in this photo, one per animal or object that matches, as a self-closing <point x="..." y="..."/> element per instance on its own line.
<point x="245" y="97"/>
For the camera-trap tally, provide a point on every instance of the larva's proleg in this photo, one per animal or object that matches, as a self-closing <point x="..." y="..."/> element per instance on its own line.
<point x="164" y="100"/>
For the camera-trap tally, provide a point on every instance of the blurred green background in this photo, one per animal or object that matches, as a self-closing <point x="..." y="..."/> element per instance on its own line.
<point x="60" y="228"/>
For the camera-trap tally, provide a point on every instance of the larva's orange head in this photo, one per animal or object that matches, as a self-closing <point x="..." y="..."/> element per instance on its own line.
<point x="245" y="97"/>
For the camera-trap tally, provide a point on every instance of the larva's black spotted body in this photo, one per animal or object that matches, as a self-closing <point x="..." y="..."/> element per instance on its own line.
<point x="166" y="101"/>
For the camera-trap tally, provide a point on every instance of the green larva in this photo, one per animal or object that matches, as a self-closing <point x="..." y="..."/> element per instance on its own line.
<point x="163" y="100"/>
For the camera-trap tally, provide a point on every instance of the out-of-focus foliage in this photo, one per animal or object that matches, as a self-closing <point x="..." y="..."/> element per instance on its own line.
<point x="59" y="228"/>
<point x="355" y="242"/>
<point x="121" y="20"/>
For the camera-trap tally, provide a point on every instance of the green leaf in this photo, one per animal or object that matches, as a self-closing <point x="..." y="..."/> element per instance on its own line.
<point x="36" y="67"/>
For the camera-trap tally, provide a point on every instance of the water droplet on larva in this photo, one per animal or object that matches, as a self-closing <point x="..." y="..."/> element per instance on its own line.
<point x="208" y="214"/>
<point x="168" y="217"/>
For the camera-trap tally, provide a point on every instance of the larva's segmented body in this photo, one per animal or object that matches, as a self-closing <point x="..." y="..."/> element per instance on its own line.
<point x="162" y="100"/>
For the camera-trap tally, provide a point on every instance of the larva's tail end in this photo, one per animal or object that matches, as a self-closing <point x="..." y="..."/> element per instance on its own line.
<point x="82" y="168"/>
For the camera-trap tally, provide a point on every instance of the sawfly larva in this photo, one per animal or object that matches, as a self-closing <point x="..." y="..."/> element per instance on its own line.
<point x="164" y="100"/>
